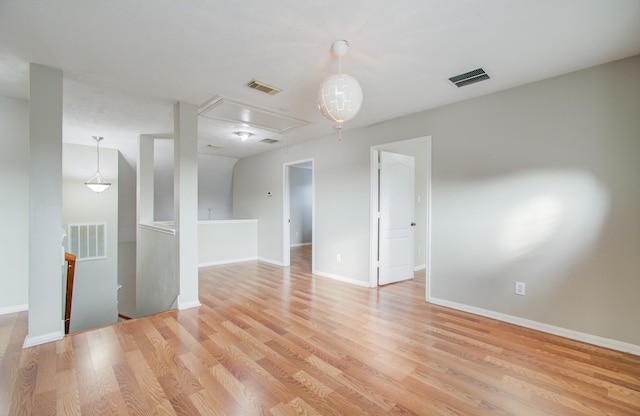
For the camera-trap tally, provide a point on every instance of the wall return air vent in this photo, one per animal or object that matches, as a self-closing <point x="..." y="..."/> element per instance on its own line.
<point x="470" y="77"/>
<point x="88" y="241"/>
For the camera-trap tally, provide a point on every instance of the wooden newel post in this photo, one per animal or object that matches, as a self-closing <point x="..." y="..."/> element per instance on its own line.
<point x="71" y="267"/>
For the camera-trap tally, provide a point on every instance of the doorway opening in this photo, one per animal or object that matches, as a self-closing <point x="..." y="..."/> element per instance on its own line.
<point x="388" y="257"/>
<point x="298" y="232"/>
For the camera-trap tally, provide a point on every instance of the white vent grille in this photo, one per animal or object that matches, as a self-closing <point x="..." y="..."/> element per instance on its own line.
<point x="88" y="241"/>
<point x="469" y="78"/>
<point x="269" y="141"/>
<point x="263" y="87"/>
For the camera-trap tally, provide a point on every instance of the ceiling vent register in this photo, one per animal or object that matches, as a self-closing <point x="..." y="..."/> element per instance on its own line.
<point x="263" y="87"/>
<point x="269" y="141"/>
<point x="469" y="78"/>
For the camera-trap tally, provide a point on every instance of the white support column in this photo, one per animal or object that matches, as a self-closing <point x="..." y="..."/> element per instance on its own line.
<point x="145" y="179"/>
<point x="186" y="201"/>
<point x="144" y="215"/>
<point x="45" y="206"/>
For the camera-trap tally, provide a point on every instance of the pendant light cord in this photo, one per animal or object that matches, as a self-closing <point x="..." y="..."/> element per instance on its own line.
<point x="340" y="72"/>
<point x="98" y="154"/>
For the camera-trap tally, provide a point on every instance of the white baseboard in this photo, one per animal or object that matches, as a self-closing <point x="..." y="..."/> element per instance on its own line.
<point x="221" y="262"/>
<point x="420" y="267"/>
<point x="13" y="309"/>
<point x="300" y="244"/>
<point x="262" y="259"/>
<point x="270" y="261"/>
<point x="42" y="339"/>
<point x="343" y="279"/>
<point x="539" y="326"/>
<point x="188" y="305"/>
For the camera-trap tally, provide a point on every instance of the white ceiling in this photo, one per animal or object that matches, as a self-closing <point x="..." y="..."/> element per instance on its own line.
<point x="126" y="62"/>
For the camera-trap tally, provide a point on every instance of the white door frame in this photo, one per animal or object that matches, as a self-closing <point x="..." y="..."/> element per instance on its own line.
<point x="373" y="263"/>
<point x="286" y="214"/>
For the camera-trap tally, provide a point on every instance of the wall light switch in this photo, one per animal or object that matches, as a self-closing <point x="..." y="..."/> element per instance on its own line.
<point x="520" y="288"/>
<point x="338" y="257"/>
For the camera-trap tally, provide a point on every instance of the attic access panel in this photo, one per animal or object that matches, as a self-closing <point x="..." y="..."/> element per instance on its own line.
<point x="223" y="109"/>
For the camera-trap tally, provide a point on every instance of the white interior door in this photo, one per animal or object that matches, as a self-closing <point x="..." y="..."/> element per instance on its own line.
<point x="397" y="210"/>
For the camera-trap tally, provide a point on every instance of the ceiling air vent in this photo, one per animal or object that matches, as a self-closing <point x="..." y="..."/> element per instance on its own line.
<point x="269" y="141"/>
<point x="468" y="78"/>
<point x="266" y="88"/>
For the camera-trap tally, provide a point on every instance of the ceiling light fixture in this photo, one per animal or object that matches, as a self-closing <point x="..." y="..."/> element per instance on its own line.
<point x="97" y="183"/>
<point x="340" y="95"/>
<point x="244" y="135"/>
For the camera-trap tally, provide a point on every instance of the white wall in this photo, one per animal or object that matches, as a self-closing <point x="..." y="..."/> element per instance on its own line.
<point x="301" y="201"/>
<point x="14" y="185"/>
<point x="214" y="184"/>
<point x="127" y="278"/>
<point x="342" y="200"/>
<point x="127" y="157"/>
<point x="157" y="283"/>
<point x="539" y="184"/>
<point x="227" y="241"/>
<point x="95" y="284"/>
<point x="535" y="184"/>
<point x="163" y="180"/>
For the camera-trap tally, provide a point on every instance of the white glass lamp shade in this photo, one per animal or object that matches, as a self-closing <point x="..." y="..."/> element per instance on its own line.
<point x="340" y="97"/>
<point x="97" y="183"/>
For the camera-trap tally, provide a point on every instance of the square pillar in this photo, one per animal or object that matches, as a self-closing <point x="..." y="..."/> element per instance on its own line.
<point x="145" y="179"/>
<point x="185" y="198"/>
<point x="45" y="206"/>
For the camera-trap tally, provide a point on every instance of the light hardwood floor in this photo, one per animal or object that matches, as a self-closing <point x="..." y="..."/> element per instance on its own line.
<point x="272" y="340"/>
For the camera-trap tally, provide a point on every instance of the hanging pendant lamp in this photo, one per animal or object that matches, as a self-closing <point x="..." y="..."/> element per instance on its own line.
<point x="97" y="183"/>
<point x="340" y="95"/>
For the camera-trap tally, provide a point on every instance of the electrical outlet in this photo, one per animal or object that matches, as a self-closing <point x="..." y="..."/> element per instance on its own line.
<point x="338" y="257"/>
<point x="520" y="288"/>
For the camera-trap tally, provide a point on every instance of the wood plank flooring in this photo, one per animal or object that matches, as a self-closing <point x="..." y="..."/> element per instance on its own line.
<point x="280" y="341"/>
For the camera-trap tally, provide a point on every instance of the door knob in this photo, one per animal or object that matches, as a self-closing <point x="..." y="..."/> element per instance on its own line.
<point x="413" y="224"/>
